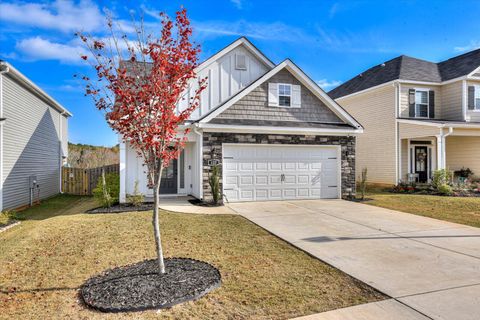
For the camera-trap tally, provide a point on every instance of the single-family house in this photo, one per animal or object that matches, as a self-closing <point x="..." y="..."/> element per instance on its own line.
<point x="418" y="116"/>
<point x="33" y="140"/>
<point x="272" y="130"/>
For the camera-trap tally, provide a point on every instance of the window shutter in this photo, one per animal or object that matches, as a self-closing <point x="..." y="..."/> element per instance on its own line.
<point x="431" y="104"/>
<point x="411" y="103"/>
<point x="296" y="96"/>
<point x="471" y="97"/>
<point x="273" y="94"/>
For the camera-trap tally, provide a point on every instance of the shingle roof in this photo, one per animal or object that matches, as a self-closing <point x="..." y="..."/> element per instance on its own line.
<point x="408" y="68"/>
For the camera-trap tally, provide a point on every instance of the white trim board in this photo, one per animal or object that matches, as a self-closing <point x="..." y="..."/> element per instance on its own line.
<point x="210" y="127"/>
<point x="303" y="78"/>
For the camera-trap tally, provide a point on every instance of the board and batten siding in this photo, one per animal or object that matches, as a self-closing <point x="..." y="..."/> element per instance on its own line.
<point x="473" y="115"/>
<point x="34" y="138"/>
<point x="254" y="106"/>
<point x="463" y="152"/>
<point x="375" y="110"/>
<point x="224" y="80"/>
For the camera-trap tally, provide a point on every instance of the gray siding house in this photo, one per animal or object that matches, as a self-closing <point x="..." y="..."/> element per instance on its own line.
<point x="33" y="140"/>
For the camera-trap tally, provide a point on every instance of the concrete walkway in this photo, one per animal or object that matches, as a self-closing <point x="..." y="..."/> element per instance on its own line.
<point x="429" y="267"/>
<point x="181" y="205"/>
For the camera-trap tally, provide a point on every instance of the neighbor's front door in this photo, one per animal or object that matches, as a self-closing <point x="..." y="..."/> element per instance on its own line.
<point x="421" y="163"/>
<point x="168" y="184"/>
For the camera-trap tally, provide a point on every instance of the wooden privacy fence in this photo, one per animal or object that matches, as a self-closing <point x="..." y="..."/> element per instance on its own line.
<point x="82" y="181"/>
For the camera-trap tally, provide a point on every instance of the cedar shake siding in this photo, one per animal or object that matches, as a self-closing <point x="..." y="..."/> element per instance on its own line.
<point x="254" y="106"/>
<point x="212" y="150"/>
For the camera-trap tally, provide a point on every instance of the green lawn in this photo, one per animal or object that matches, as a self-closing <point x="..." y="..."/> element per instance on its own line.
<point x="49" y="255"/>
<point x="453" y="209"/>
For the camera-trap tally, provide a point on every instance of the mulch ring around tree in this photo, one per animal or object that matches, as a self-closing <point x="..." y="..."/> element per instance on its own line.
<point x="197" y="202"/>
<point x="139" y="286"/>
<point x="123" y="207"/>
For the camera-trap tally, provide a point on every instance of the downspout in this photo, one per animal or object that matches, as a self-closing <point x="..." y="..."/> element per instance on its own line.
<point x="195" y="127"/>
<point x="3" y="69"/>
<point x="61" y="150"/>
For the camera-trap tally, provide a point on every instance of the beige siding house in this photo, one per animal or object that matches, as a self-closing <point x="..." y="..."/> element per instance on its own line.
<point x="418" y="116"/>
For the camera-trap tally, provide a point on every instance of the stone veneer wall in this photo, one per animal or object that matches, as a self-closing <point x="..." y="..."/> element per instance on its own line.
<point x="212" y="149"/>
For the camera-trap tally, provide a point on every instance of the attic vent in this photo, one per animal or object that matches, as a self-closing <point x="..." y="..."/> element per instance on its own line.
<point x="240" y="62"/>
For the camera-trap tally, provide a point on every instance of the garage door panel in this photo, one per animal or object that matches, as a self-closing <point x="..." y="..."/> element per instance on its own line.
<point x="266" y="172"/>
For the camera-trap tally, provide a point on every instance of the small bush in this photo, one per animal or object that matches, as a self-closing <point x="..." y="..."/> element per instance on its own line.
<point x="11" y="215"/>
<point x="441" y="177"/>
<point x="137" y="198"/>
<point x="464" y="173"/>
<point x="363" y="183"/>
<point x="445" y="189"/>
<point x="107" y="190"/>
<point x="214" y="182"/>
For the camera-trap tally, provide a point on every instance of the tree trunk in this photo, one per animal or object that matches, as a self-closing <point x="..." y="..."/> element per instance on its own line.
<point x="156" y="224"/>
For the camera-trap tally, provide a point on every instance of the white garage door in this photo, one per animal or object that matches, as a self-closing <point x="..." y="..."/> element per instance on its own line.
<point x="280" y="172"/>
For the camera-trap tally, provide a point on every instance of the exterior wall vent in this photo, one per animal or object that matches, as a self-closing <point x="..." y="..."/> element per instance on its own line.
<point x="240" y="62"/>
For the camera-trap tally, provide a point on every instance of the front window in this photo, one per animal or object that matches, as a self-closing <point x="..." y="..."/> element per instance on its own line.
<point x="421" y="104"/>
<point x="284" y="95"/>
<point x="477" y="98"/>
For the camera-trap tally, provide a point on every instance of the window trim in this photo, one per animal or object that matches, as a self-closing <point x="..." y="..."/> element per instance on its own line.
<point x="285" y="95"/>
<point x="427" y="90"/>
<point x="476" y="95"/>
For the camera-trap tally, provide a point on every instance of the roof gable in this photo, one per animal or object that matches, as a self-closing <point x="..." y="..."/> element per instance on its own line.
<point x="302" y="78"/>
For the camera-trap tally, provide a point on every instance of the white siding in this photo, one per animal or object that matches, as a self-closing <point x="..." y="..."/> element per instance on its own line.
<point x="31" y="144"/>
<point x="375" y="110"/>
<point x="224" y="81"/>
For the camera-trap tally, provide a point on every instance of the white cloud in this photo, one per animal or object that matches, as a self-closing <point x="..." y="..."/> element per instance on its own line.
<point x="61" y="15"/>
<point x="256" y="30"/>
<point x="472" y="45"/>
<point x="326" y="84"/>
<point x="37" y="48"/>
<point x="237" y="3"/>
<point x="333" y="10"/>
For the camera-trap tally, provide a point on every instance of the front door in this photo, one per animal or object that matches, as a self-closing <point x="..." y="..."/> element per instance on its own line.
<point x="168" y="184"/>
<point x="421" y="163"/>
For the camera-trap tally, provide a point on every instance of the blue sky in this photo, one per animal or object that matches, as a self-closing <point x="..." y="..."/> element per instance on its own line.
<point x="330" y="40"/>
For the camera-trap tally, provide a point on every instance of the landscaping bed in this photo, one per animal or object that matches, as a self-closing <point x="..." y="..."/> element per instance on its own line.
<point x="140" y="287"/>
<point x="49" y="256"/>
<point x="122" y="207"/>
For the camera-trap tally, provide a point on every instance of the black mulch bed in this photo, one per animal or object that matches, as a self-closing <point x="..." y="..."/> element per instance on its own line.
<point x="201" y="203"/>
<point x="139" y="286"/>
<point x="123" y="207"/>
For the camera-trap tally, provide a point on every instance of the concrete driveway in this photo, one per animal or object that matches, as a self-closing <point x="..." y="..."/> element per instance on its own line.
<point x="427" y="266"/>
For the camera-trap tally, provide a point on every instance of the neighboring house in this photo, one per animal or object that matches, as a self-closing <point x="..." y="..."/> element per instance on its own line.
<point x="33" y="140"/>
<point x="275" y="134"/>
<point x="418" y="116"/>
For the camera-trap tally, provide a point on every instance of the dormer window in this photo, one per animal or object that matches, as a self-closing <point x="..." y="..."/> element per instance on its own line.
<point x="240" y="62"/>
<point x="473" y="98"/>
<point x="421" y="103"/>
<point x="284" y="95"/>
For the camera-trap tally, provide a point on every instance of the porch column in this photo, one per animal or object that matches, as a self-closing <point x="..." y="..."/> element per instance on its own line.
<point x="123" y="172"/>
<point x="440" y="152"/>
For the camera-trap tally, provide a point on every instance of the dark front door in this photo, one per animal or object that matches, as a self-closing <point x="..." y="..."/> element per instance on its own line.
<point x="421" y="163"/>
<point x="168" y="184"/>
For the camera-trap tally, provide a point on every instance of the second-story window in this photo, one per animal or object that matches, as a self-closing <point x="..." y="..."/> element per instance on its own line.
<point x="284" y="95"/>
<point x="421" y="103"/>
<point x="477" y="98"/>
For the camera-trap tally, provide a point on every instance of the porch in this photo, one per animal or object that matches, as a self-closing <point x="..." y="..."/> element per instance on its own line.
<point x="426" y="146"/>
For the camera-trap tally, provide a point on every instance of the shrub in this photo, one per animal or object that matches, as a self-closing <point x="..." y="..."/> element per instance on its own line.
<point x="214" y="182"/>
<point x="11" y="215"/>
<point x="441" y="177"/>
<point x="464" y="173"/>
<point x="445" y="189"/>
<point x="137" y="198"/>
<point x="363" y="182"/>
<point x="107" y="190"/>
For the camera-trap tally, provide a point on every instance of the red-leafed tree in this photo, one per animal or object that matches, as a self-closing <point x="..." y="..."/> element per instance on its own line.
<point x="138" y="84"/>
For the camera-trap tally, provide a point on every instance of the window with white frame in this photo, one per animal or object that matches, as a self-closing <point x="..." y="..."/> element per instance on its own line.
<point x="421" y="103"/>
<point x="477" y="98"/>
<point x="284" y="95"/>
